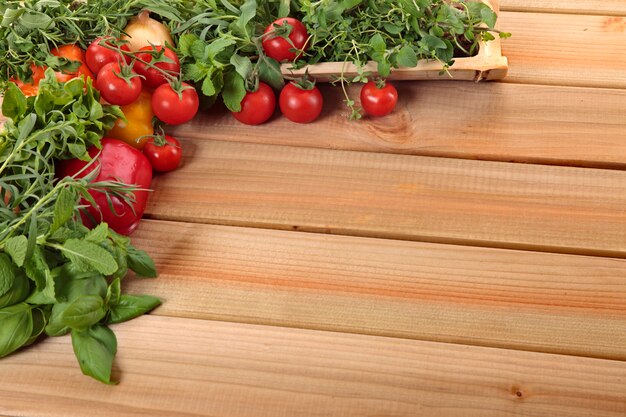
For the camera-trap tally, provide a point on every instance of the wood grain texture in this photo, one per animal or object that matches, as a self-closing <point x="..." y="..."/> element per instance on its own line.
<point x="479" y="203"/>
<point x="183" y="368"/>
<point x="561" y="49"/>
<point x="603" y="7"/>
<point x="492" y="121"/>
<point x="523" y="300"/>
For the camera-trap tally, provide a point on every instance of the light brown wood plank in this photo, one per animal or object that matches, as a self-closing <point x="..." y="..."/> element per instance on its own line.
<point x="493" y="121"/>
<point x="604" y="7"/>
<point x="560" y="209"/>
<point x="489" y="297"/>
<point x="182" y="367"/>
<point x="561" y="49"/>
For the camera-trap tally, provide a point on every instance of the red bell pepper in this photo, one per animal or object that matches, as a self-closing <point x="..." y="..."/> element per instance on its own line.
<point x="117" y="161"/>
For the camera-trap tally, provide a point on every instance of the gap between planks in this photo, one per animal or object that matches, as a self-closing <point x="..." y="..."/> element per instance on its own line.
<point x="183" y="368"/>
<point x="488" y="297"/>
<point x="488" y="121"/>
<point x="478" y="203"/>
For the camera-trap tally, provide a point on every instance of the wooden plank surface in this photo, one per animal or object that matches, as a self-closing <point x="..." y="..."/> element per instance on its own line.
<point x="524" y="300"/>
<point x="562" y="49"/>
<point x="562" y="209"/>
<point x="494" y="121"/>
<point x="603" y="7"/>
<point x="182" y="367"/>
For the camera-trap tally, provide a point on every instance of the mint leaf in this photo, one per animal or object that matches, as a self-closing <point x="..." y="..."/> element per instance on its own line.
<point x="84" y="312"/>
<point x="131" y="306"/>
<point x="234" y="91"/>
<point x="184" y="44"/>
<point x="17" y="293"/>
<point x="98" y="234"/>
<point x="64" y="205"/>
<point x="7" y="274"/>
<point x="95" y="349"/>
<point x="86" y="255"/>
<point x="16" y="248"/>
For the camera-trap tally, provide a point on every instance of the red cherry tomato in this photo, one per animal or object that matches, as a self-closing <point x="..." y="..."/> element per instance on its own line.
<point x="168" y="62"/>
<point x="163" y="157"/>
<point x="73" y="53"/>
<point x="98" y="55"/>
<point x="115" y="89"/>
<point x="257" y="106"/>
<point x="172" y="109"/>
<point x="300" y="105"/>
<point x="278" y="47"/>
<point x="378" y="101"/>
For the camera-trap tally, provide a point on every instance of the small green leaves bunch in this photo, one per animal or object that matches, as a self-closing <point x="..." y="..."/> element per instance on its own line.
<point x="57" y="276"/>
<point x="395" y="33"/>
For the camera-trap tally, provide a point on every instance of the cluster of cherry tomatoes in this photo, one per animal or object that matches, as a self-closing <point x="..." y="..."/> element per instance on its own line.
<point x="144" y="83"/>
<point x="301" y="101"/>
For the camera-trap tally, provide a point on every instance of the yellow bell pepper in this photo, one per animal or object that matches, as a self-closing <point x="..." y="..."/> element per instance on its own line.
<point x="138" y="124"/>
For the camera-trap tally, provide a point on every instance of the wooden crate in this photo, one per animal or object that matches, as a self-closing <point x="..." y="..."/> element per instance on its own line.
<point x="488" y="64"/>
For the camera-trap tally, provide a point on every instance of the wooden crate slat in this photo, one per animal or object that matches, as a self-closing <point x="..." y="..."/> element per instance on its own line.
<point x="556" y="209"/>
<point x="489" y="297"/>
<point x="182" y="368"/>
<point x="495" y="121"/>
<point x="603" y="7"/>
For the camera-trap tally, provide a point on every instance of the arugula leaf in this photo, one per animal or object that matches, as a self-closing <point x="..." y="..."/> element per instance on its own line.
<point x="234" y="91"/>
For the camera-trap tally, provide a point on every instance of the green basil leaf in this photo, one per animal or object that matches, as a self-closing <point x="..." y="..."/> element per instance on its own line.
<point x="95" y="350"/>
<point x="141" y="263"/>
<point x="131" y="306"/>
<point x="84" y="312"/>
<point x="55" y="326"/>
<point x="16" y="327"/>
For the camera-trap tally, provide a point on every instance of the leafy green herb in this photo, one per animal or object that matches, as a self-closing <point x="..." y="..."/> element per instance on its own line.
<point x="56" y="276"/>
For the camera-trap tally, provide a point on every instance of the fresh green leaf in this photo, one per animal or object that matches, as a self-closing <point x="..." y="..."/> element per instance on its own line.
<point x="95" y="350"/>
<point x="234" y="91"/>
<point x="269" y="72"/>
<point x="84" y="312"/>
<point x="86" y="256"/>
<point x="407" y="57"/>
<point x="17" y="293"/>
<point x="16" y="326"/>
<point x="7" y="274"/>
<point x="141" y="263"/>
<point x="14" y="103"/>
<point x="16" y="248"/>
<point x="64" y="207"/>
<point x="131" y="306"/>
